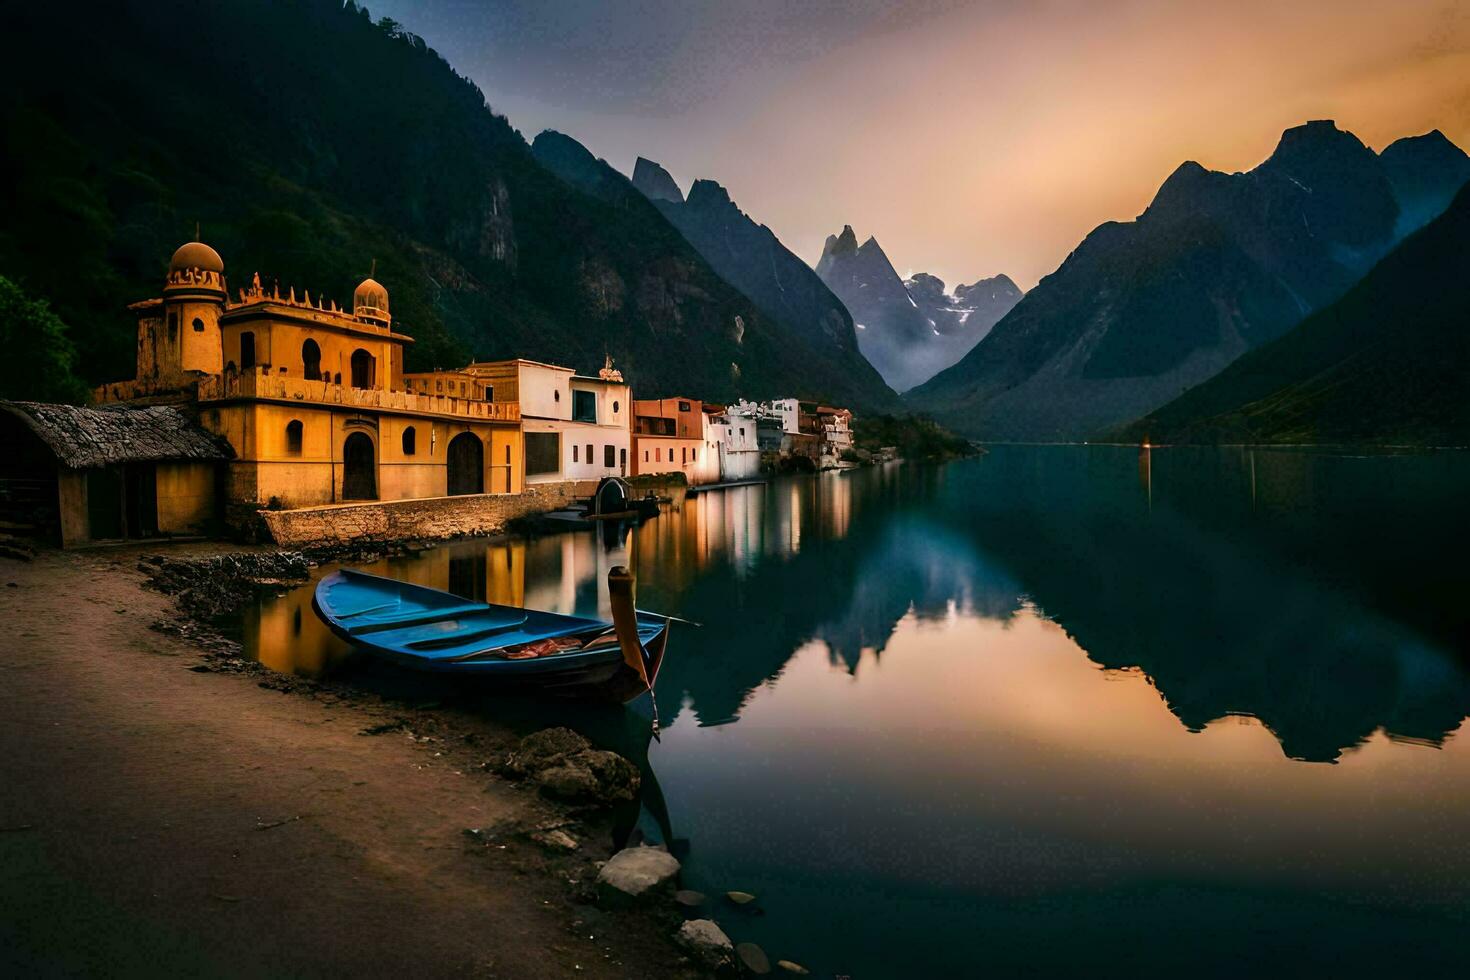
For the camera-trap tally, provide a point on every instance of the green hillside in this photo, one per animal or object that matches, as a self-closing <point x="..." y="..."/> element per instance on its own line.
<point x="308" y="141"/>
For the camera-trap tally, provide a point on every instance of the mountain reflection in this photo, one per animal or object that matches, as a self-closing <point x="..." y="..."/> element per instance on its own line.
<point x="1233" y="602"/>
<point x="1319" y="595"/>
<point x="1220" y="575"/>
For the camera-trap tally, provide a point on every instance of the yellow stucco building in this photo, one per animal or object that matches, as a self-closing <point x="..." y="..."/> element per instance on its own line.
<point x="312" y="397"/>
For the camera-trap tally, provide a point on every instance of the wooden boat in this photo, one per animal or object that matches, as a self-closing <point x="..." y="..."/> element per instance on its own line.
<point x="426" y="629"/>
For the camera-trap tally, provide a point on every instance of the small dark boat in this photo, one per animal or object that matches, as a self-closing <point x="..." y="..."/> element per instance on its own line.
<point x="426" y="629"/>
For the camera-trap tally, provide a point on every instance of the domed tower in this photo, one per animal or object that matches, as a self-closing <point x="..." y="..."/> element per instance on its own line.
<point x="370" y="303"/>
<point x="187" y="337"/>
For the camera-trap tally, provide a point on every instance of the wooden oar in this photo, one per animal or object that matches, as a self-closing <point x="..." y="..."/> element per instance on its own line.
<point x="672" y="619"/>
<point x="621" y="587"/>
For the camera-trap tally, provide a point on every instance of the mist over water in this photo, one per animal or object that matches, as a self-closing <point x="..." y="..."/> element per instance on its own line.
<point x="1052" y="709"/>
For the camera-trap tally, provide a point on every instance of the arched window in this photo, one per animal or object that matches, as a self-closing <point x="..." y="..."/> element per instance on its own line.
<point x="410" y="441"/>
<point x="615" y="408"/>
<point x="293" y="437"/>
<point x="311" y="360"/>
<point x="362" y="369"/>
<point x="198" y="325"/>
<point x="247" y="351"/>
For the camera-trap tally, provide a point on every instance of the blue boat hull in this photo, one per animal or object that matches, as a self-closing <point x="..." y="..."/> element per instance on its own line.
<point x="425" y="629"/>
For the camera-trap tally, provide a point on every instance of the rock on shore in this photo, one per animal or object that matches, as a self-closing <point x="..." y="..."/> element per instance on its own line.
<point x="566" y="767"/>
<point x="216" y="585"/>
<point x="706" y="943"/>
<point x="634" y="874"/>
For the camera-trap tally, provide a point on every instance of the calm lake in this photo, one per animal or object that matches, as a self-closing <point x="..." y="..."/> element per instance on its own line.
<point x="1050" y="710"/>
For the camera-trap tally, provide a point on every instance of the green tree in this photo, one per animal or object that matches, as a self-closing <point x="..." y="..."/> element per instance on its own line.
<point x="38" y="357"/>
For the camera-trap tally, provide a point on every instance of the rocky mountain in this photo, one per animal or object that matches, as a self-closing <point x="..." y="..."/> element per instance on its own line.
<point x="1387" y="363"/>
<point x="909" y="330"/>
<point x="750" y="257"/>
<point x="958" y="320"/>
<point x="1426" y="172"/>
<point x="1141" y="311"/>
<point x="655" y="183"/>
<point x="308" y="141"/>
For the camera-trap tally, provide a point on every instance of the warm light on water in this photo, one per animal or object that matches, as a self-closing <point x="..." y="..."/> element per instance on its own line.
<point x="1057" y="709"/>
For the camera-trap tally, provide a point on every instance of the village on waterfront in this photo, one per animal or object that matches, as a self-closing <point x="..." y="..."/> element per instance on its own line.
<point x="872" y="490"/>
<point x="248" y="415"/>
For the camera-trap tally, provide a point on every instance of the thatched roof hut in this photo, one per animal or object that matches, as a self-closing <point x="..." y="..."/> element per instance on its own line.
<point x="83" y="438"/>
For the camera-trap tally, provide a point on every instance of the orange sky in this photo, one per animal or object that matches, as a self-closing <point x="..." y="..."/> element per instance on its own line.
<point x="970" y="138"/>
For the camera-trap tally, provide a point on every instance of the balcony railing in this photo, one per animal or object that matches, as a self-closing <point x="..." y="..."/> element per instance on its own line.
<point x="219" y="387"/>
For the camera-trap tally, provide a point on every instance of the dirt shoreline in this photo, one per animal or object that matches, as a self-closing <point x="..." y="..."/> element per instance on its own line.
<point x="167" y="807"/>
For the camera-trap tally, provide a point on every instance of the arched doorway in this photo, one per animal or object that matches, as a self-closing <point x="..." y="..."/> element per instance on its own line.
<point x="359" y="468"/>
<point x="362" y="369"/>
<point x="466" y="464"/>
<point x="311" y="360"/>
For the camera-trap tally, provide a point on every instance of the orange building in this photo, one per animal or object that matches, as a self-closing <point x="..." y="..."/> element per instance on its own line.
<point x="672" y="435"/>
<point x="312" y="397"/>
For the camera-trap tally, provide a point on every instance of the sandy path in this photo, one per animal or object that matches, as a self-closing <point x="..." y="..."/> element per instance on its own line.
<point x="131" y="790"/>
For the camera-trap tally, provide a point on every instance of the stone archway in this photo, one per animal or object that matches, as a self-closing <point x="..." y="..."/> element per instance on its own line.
<point x="359" y="468"/>
<point x="466" y="464"/>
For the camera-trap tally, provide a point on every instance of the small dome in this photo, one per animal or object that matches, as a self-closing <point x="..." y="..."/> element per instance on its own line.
<point x="370" y="300"/>
<point x="196" y="255"/>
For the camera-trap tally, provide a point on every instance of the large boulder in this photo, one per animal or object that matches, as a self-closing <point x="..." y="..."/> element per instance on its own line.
<point x="706" y="943"/>
<point x="635" y="874"/>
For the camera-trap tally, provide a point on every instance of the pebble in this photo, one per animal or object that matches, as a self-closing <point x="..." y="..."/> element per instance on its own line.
<point x="753" y="958"/>
<point x="556" y="840"/>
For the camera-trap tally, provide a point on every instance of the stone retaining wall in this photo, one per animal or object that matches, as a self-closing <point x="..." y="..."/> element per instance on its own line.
<point x="429" y="519"/>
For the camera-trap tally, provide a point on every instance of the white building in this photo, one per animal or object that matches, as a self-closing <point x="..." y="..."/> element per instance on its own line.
<point x="736" y="433"/>
<point x="789" y="412"/>
<point x="575" y="427"/>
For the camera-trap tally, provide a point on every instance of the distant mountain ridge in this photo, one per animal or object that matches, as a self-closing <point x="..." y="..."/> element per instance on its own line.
<point x="750" y="257"/>
<point x="655" y="182"/>
<point x="909" y="330"/>
<point x="1217" y="264"/>
<point x="1388" y="363"/>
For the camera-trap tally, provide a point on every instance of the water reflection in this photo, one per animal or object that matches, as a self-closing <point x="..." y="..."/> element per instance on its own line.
<point x="1295" y="589"/>
<point x="1312" y="593"/>
<point x="1054" y="692"/>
